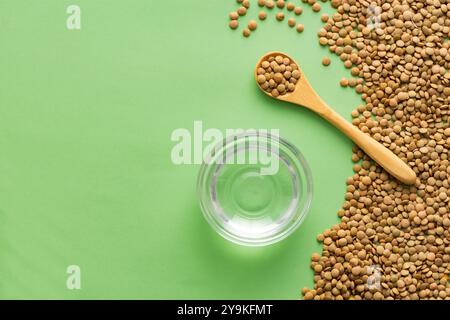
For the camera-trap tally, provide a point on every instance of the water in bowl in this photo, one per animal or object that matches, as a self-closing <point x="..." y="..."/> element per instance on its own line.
<point x="253" y="204"/>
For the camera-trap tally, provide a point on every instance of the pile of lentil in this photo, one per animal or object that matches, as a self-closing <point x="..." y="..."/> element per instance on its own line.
<point x="393" y="241"/>
<point x="277" y="75"/>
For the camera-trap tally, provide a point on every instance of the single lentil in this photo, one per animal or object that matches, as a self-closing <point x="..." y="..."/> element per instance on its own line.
<point x="234" y="15"/>
<point x="242" y="11"/>
<point x="280" y="4"/>
<point x="280" y="16"/>
<point x="298" y="11"/>
<point x="326" y="61"/>
<point x="234" y="24"/>
<point x="270" y="4"/>
<point x="291" y="22"/>
<point x="344" y="82"/>
<point x="316" y="7"/>
<point x="252" y="25"/>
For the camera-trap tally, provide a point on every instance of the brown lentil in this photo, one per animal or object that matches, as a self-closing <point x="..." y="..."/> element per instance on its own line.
<point x="280" y="16"/>
<point x="270" y="4"/>
<point x="280" y="4"/>
<point x="291" y="22"/>
<point x="252" y="25"/>
<point x="242" y="11"/>
<point x="298" y="11"/>
<point x="234" y="24"/>
<point x="344" y="82"/>
<point x="262" y="15"/>
<point x="234" y="15"/>
<point x="316" y="7"/>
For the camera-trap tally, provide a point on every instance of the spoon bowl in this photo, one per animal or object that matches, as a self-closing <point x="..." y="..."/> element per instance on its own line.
<point x="304" y="95"/>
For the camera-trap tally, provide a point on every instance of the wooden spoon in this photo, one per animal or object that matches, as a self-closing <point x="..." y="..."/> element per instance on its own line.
<point x="304" y="95"/>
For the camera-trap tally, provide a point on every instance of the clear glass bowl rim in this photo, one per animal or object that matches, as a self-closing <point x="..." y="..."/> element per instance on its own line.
<point x="304" y="209"/>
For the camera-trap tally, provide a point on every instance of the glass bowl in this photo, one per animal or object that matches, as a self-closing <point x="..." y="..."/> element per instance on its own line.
<point x="254" y="188"/>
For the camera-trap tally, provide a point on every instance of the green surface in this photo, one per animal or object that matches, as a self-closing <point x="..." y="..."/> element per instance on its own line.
<point x="86" y="176"/>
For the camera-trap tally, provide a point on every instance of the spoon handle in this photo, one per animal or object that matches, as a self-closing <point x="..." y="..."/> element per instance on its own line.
<point x="378" y="152"/>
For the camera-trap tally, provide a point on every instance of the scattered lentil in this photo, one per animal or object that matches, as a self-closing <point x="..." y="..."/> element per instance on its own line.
<point x="252" y="25"/>
<point x="344" y="82"/>
<point x="280" y="16"/>
<point x="234" y="24"/>
<point x="291" y="22"/>
<point x="262" y="15"/>
<point x="401" y="71"/>
<point x="280" y="4"/>
<point x="316" y="7"/>
<point x="242" y="11"/>
<point x="400" y="232"/>
<point x="270" y="4"/>
<point x="326" y="61"/>
<point x="234" y="15"/>
<point x="298" y="11"/>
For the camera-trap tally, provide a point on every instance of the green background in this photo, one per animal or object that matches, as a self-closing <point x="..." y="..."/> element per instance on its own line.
<point x="86" y="176"/>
